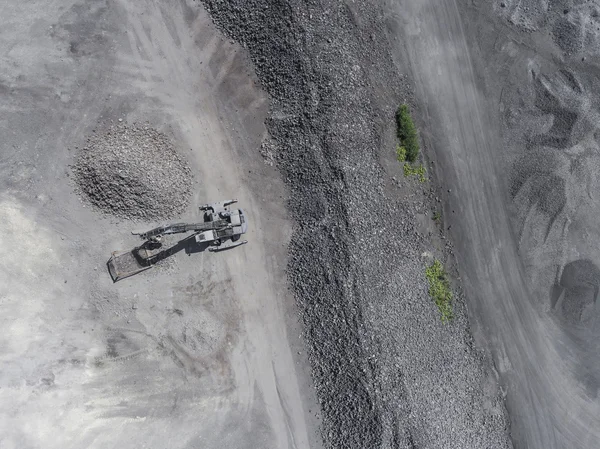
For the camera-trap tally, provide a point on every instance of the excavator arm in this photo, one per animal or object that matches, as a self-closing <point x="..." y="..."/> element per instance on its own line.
<point x="217" y="207"/>
<point x="227" y="227"/>
<point x="178" y="228"/>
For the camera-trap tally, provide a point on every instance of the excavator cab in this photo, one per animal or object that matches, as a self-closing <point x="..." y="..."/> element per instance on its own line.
<point x="227" y="236"/>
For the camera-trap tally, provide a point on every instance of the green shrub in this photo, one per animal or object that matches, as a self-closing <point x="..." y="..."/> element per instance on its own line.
<point x="407" y="133"/>
<point x="437" y="216"/>
<point x="439" y="289"/>
<point x="400" y="153"/>
<point x="419" y="171"/>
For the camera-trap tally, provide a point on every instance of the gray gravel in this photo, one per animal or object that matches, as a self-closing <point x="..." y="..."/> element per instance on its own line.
<point x="133" y="171"/>
<point x="387" y="372"/>
<point x="552" y="141"/>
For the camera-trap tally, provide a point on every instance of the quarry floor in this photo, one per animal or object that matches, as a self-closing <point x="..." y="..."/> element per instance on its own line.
<point x="207" y="350"/>
<point x="204" y="352"/>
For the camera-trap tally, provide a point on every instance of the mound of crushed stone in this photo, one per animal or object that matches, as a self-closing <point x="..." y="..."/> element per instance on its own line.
<point x="133" y="171"/>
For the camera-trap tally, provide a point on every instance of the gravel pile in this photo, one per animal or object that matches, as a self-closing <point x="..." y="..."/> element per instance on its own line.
<point x="134" y="172"/>
<point x="573" y="26"/>
<point x="552" y="152"/>
<point x="388" y="374"/>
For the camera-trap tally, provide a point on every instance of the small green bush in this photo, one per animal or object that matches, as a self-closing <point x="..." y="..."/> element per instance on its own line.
<point x="439" y="289"/>
<point x="400" y="153"/>
<point x="407" y="133"/>
<point x="418" y="170"/>
<point x="437" y="216"/>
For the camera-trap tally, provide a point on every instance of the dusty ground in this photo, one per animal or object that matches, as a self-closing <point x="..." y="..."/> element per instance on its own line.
<point x="205" y="351"/>
<point x="508" y="95"/>
<point x="201" y="353"/>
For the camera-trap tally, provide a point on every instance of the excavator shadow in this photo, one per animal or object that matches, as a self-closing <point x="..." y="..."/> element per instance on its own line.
<point x="122" y="265"/>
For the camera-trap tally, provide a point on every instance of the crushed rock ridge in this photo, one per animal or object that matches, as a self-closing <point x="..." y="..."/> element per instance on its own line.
<point x="387" y="373"/>
<point x="133" y="171"/>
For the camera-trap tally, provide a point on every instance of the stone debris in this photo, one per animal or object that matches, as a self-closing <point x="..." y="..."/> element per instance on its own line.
<point x="387" y="372"/>
<point x="133" y="172"/>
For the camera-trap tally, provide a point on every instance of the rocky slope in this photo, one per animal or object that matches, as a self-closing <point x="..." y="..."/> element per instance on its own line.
<point x="387" y="372"/>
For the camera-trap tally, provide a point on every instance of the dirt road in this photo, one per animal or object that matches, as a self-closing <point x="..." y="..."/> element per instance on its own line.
<point x="203" y="352"/>
<point x="548" y="405"/>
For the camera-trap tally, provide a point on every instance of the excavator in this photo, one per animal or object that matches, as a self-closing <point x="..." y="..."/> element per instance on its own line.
<point x="221" y="229"/>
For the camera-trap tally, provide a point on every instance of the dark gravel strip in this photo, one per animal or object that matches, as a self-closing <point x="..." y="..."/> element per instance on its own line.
<point x="387" y="373"/>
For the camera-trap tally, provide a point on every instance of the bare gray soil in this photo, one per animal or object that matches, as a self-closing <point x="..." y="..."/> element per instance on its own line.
<point x="201" y="353"/>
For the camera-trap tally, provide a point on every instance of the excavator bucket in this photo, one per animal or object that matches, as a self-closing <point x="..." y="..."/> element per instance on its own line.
<point x="124" y="264"/>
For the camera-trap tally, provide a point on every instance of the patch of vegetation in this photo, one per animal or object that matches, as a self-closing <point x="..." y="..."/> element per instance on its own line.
<point x="401" y="153"/>
<point x="439" y="289"/>
<point x="407" y="133"/>
<point x="437" y="216"/>
<point x="418" y="170"/>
